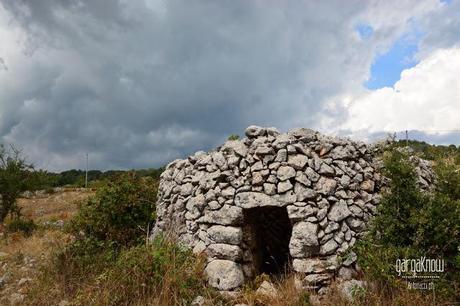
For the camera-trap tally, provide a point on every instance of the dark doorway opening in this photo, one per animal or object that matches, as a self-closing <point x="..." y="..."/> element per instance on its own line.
<point x="268" y="231"/>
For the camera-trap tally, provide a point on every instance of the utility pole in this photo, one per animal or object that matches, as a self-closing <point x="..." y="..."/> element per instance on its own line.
<point x="407" y="138"/>
<point x="86" y="175"/>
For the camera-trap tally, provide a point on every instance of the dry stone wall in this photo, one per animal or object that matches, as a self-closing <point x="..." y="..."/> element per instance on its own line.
<point x="274" y="201"/>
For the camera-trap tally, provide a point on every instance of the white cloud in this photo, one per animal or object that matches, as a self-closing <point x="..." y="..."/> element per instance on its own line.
<point x="427" y="97"/>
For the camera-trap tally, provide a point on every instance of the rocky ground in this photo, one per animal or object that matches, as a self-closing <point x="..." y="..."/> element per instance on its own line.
<point x="21" y="256"/>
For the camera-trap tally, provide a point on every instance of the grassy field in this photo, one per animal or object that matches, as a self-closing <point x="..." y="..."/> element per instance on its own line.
<point x="54" y="206"/>
<point x="21" y="256"/>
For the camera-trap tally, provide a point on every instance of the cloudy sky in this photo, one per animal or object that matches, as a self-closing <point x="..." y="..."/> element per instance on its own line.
<point x="137" y="83"/>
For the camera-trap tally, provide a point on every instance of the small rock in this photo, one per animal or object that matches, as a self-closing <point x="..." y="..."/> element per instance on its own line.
<point x="23" y="281"/>
<point x="281" y="155"/>
<point x="227" y="215"/>
<point x="312" y="175"/>
<point x="304" y="239"/>
<point x="267" y="289"/>
<point x="225" y="234"/>
<point x="224" y="251"/>
<point x="326" y="170"/>
<point x="346" y="273"/>
<point x="339" y="211"/>
<point x="224" y="274"/>
<point x="284" y="186"/>
<point x="309" y="265"/>
<point x="285" y="172"/>
<point x="350" y="287"/>
<point x="368" y="186"/>
<point x="350" y="259"/>
<point x="198" y="301"/>
<point x="316" y="278"/>
<point x="269" y="189"/>
<point x="329" y="247"/>
<point x="297" y="161"/>
<point x="255" y="199"/>
<point x="255" y="131"/>
<point x="326" y="186"/>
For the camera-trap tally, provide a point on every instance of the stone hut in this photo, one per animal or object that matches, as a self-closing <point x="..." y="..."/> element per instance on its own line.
<point x="273" y="202"/>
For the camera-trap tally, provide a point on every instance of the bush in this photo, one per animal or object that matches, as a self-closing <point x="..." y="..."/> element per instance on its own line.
<point x="16" y="176"/>
<point x="121" y="212"/>
<point x="398" y="208"/>
<point x="412" y="223"/>
<point x="21" y="225"/>
<point x="233" y="137"/>
<point x="448" y="179"/>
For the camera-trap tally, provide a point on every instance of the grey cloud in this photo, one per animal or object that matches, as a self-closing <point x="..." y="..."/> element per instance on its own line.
<point x="441" y="28"/>
<point x="138" y="83"/>
<point x="3" y="64"/>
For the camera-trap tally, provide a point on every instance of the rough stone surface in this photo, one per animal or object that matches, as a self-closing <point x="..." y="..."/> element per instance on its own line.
<point x="304" y="239"/>
<point x="339" y="211"/>
<point x="329" y="189"/>
<point x="224" y="274"/>
<point x="225" y="251"/>
<point x="285" y="173"/>
<point x="348" y="287"/>
<point x="225" y="234"/>
<point x="267" y="289"/>
<point x="254" y="199"/>
<point x="198" y="301"/>
<point x="313" y="265"/>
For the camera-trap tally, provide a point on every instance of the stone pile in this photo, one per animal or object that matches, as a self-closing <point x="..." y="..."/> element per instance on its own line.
<point x="328" y="188"/>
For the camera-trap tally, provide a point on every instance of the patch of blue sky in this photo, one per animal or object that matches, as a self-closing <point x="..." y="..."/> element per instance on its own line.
<point x="447" y="1"/>
<point x="365" y="31"/>
<point x="387" y="67"/>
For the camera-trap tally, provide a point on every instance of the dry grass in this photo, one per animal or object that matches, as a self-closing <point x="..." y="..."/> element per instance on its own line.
<point x="286" y="293"/>
<point x="159" y="274"/>
<point x="23" y="256"/>
<point x="56" y="206"/>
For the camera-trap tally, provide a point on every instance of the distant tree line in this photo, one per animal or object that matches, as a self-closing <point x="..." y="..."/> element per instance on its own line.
<point x="76" y="177"/>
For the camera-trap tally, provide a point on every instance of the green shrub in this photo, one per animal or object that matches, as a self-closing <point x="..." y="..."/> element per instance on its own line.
<point x="412" y="223"/>
<point x="121" y="212"/>
<point x="399" y="206"/>
<point x="233" y="137"/>
<point x="448" y="179"/>
<point x="377" y="261"/>
<point x="457" y="159"/>
<point x="21" y="225"/>
<point x="86" y="256"/>
<point x="16" y="176"/>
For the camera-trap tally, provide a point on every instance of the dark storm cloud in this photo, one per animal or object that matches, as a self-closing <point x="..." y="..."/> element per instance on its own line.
<point x="139" y="83"/>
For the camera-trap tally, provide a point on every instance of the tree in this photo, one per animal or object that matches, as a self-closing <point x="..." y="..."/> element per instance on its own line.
<point x="16" y="176"/>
